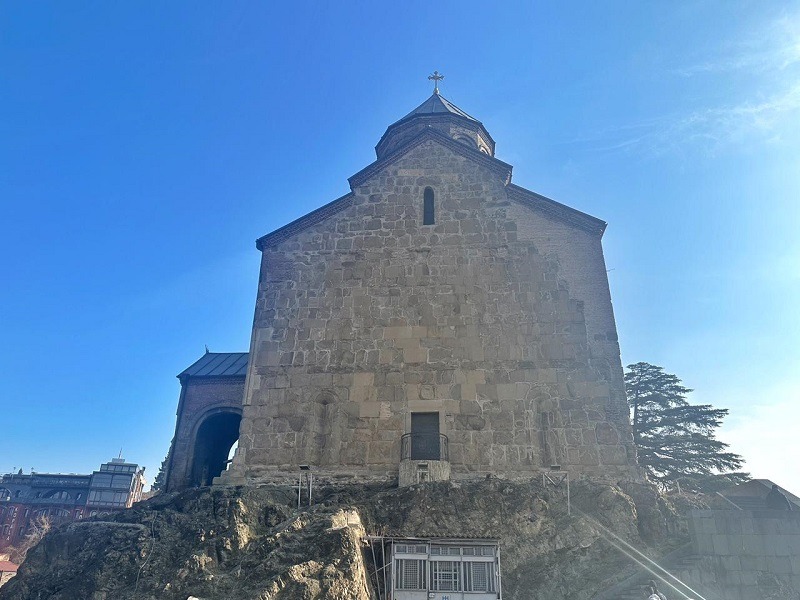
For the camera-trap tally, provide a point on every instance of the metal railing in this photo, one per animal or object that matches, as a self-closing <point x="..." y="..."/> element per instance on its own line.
<point x="424" y="446"/>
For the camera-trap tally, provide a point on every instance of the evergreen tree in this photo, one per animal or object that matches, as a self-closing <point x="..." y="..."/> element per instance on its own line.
<point x="160" y="481"/>
<point x="675" y="440"/>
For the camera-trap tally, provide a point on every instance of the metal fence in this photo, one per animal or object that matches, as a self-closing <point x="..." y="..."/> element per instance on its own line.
<point x="424" y="446"/>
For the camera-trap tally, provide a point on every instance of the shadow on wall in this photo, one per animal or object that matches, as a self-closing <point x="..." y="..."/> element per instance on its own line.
<point x="215" y="438"/>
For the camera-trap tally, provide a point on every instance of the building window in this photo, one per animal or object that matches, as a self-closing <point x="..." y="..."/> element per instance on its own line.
<point x="444" y="575"/>
<point x="410" y="574"/>
<point x="478" y="577"/>
<point x="427" y="207"/>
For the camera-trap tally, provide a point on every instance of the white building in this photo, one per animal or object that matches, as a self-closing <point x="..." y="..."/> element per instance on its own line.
<point x="438" y="569"/>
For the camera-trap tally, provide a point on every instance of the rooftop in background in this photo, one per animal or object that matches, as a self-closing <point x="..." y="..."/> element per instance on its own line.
<point x="7" y="567"/>
<point x="218" y="364"/>
<point x="751" y="495"/>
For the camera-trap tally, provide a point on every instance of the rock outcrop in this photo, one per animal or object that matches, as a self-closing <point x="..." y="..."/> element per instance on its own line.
<point x="253" y="542"/>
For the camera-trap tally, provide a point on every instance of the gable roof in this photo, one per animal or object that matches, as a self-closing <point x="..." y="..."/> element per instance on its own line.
<point x="556" y="210"/>
<point x="306" y="221"/>
<point x="502" y="169"/>
<point x="218" y="364"/>
<point x="751" y="495"/>
<point x="532" y="200"/>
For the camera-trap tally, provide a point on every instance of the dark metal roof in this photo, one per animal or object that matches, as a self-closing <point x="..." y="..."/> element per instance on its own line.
<point x="218" y="364"/>
<point x="438" y="104"/>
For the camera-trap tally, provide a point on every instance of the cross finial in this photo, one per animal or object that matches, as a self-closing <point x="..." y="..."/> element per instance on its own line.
<point x="436" y="78"/>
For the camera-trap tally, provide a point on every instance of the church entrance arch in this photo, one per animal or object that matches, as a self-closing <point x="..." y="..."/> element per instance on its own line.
<point x="215" y="435"/>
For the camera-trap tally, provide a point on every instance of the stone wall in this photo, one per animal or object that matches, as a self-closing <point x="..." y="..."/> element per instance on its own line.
<point x="497" y="318"/>
<point x="744" y="554"/>
<point x="421" y="471"/>
<point x="200" y="399"/>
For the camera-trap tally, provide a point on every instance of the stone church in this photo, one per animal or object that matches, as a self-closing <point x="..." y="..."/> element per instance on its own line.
<point x="435" y="322"/>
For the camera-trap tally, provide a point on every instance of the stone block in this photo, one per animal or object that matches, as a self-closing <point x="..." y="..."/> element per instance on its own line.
<point x="613" y="455"/>
<point x="779" y="565"/>
<point x="415" y="355"/>
<point x="720" y="544"/>
<point x="753" y="545"/>
<point x="605" y="433"/>
<point x="369" y="410"/>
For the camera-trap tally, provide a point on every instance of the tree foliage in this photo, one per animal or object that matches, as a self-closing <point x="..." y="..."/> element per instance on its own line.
<point x="38" y="528"/>
<point x="160" y="481"/>
<point x="676" y="440"/>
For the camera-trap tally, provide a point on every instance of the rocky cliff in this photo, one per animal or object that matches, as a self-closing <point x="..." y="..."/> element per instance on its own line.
<point x="253" y="542"/>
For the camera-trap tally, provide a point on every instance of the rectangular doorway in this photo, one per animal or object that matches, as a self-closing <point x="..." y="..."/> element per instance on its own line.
<point x="425" y="443"/>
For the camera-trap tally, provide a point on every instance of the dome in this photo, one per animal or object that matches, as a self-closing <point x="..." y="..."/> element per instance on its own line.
<point x="437" y="112"/>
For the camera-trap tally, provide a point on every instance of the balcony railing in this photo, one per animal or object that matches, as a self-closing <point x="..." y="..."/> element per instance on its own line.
<point x="424" y="446"/>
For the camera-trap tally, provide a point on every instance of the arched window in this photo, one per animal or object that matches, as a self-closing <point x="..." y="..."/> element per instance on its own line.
<point x="427" y="207"/>
<point x="467" y="141"/>
<point x="58" y="495"/>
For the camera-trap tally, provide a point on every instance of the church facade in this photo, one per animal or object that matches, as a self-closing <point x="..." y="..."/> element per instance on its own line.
<point x="436" y="322"/>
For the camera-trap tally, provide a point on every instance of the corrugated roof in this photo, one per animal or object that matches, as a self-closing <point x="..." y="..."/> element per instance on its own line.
<point x="218" y="364"/>
<point x="438" y="104"/>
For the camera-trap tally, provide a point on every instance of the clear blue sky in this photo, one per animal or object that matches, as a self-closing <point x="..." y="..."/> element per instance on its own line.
<point x="144" y="146"/>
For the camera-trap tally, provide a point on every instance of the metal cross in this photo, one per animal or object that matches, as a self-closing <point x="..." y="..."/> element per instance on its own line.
<point x="436" y="78"/>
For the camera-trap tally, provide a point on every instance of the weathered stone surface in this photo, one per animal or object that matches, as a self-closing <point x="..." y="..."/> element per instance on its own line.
<point x="492" y="317"/>
<point x="434" y="470"/>
<point x="201" y="399"/>
<point x="234" y="543"/>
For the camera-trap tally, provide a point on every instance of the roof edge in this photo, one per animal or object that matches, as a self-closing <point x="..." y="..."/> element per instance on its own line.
<point x="315" y="216"/>
<point x="496" y="165"/>
<point x="407" y="119"/>
<point x="185" y="374"/>
<point x="556" y="210"/>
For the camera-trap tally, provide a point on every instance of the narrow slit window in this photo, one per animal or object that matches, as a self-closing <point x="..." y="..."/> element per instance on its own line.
<point x="427" y="207"/>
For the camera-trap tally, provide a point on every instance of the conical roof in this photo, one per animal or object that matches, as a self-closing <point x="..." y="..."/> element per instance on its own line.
<point x="437" y="104"/>
<point x="437" y="112"/>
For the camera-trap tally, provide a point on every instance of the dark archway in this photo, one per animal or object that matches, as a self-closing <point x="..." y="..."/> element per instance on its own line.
<point x="215" y="437"/>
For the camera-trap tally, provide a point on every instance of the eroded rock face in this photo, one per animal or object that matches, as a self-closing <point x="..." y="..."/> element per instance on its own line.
<point x="231" y="543"/>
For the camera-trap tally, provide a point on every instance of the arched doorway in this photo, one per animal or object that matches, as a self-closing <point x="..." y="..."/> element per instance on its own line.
<point x="215" y="436"/>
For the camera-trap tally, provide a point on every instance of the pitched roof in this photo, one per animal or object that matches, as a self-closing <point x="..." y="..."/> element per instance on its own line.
<point x="437" y="104"/>
<point x="218" y="364"/>
<point x="7" y="567"/>
<point x="532" y="200"/>
<point x="750" y="495"/>
<point x="307" y="220"/>
<point x="502" y="169"/>
<point x="556" y="210"/>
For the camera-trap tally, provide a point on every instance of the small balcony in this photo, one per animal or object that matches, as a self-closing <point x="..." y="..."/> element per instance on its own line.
<point x="424" y="446"/>
<point x="424" y="457"/>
